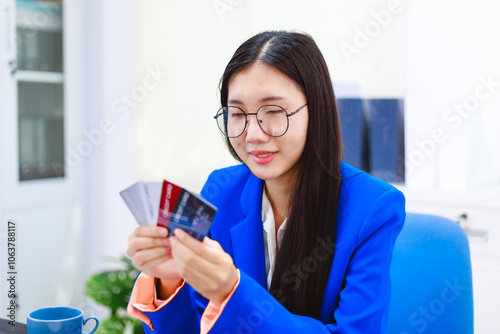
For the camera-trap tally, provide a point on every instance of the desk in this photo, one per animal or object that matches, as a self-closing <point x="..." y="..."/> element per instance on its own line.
<point x="5" y="328"/>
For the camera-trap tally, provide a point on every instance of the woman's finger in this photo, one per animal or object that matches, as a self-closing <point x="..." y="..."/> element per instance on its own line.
<point x="208" y="248"/>
<point x="140" y="243"/>
<point x="212" y="273"/>
<point x="154" y="263"/>
<point x="148" y="231"/>
<point x="142" y="257"/>
<point x="189" y="240"/>
<point x="187" y="258"/>
<point x="201" y="262"/>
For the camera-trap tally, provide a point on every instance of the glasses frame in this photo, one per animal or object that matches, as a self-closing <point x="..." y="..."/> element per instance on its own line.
<point x="218" y="114"/>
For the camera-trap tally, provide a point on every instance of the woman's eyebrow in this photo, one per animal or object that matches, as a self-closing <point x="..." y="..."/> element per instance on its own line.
<point x="233" y="101"/>
<point x="272" y="98"/>
<point x="264" y="99"/>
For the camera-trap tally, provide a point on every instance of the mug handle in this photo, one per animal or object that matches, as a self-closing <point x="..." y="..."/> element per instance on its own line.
<point x="96" y="324"/>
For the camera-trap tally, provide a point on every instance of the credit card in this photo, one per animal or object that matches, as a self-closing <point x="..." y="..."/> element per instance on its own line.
<point x="142" y="199"/>
<point x="180" y="208"/>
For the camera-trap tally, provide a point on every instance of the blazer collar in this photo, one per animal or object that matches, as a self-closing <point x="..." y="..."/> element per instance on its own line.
<point x="247" y="236"/>
<point x="251" y="197"/>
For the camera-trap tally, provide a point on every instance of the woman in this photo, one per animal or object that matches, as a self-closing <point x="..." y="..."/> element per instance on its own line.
<point x="302" y="242"/>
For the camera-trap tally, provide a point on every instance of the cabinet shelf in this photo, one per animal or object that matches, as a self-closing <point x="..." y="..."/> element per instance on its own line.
<point x="39" y="15"/>
<point x="40" y="76"/>
<point x="45" y="5"/>
<point x="485" y="199"/>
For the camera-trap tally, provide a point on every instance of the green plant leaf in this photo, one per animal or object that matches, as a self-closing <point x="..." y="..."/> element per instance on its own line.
<point x="112" y="289"/>
<point x="137" y="327"/>
<point x="113" y="325"/>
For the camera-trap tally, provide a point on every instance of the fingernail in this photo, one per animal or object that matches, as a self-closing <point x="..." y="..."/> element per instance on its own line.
<point x="163" y="232"/>
<point x="178" y="232"/>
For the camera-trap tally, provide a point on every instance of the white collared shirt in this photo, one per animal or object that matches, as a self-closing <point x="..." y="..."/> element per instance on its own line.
<point x="271" y="242"/>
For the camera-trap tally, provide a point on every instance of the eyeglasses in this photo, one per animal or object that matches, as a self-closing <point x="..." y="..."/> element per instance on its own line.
<point x="273" y="120"/>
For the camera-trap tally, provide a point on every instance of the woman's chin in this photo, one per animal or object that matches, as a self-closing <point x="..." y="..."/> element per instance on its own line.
<point x="262" y="173"/>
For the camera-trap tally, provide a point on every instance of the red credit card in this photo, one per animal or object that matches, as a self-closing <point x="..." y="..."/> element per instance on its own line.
<point x="169" y="195"/>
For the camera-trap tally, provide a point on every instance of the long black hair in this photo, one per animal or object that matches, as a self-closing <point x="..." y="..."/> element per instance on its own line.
<point x="304" y="260"/>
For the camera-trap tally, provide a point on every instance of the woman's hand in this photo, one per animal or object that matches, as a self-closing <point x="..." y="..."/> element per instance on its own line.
<point x="150" y="251"/>
<point x="204" y="265"/>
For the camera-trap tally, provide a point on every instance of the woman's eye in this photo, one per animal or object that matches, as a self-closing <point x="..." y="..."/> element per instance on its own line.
<point x="274" y="112"/>
<point x="237" y="115"/>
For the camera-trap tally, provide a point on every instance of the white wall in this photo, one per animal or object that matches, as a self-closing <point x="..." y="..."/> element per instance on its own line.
<point x="452" y="50"/>
<point x="452" y="120"/>
<point x="110" y="165"/>
<point x="176" y="136"/>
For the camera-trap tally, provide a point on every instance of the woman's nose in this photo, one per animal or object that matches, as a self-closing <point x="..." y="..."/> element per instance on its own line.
<point x="254" y="132"/>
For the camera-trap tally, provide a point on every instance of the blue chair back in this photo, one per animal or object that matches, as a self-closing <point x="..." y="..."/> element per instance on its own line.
<point x="431" y="278"/>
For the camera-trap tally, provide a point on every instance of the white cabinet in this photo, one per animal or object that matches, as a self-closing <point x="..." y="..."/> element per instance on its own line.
<point x="41" y="119"/>
<point x="483" y="227"/>
<point x="49" y="256"/>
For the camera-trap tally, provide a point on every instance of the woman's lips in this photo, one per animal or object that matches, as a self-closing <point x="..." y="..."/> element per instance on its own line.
<point x="262" y="157"/>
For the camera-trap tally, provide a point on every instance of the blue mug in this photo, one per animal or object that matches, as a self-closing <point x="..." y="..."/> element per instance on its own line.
<point x="58" y="319"/>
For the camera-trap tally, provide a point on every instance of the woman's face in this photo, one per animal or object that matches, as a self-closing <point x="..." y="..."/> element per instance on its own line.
<point x="269" y="158"/>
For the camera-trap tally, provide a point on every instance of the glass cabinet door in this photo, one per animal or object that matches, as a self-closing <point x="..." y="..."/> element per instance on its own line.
<point x="40" y="87"/>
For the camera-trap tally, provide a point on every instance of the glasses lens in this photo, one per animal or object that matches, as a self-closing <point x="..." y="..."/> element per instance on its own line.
<point x="273" y="120"/>
<point x="231" y="121"/>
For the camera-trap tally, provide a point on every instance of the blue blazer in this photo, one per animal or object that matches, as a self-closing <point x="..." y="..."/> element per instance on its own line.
<point x="371" y="214"/>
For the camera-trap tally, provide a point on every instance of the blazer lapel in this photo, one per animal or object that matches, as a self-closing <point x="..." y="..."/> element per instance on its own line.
<point x="247" y="237"/>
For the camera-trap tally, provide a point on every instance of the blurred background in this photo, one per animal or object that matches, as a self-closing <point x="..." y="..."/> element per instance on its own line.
<point x="96" y="95"/>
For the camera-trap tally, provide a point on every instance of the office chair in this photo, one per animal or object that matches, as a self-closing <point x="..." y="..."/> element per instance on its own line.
<point x="431" y="278"/>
